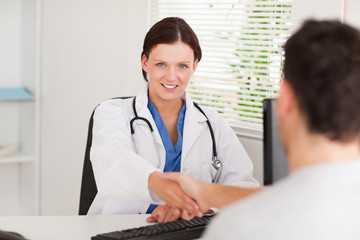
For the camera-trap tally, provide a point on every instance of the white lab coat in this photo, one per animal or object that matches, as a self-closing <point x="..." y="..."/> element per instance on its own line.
<point x="122" y="175"/>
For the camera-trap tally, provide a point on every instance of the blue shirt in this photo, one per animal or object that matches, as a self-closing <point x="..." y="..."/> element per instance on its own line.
<point x="173" y="153"/>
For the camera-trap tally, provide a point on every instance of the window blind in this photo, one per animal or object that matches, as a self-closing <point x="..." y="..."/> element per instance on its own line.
<point x="242" y="44"/>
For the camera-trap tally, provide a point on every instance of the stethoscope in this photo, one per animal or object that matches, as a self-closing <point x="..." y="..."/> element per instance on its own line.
<point x="217" y="164"/>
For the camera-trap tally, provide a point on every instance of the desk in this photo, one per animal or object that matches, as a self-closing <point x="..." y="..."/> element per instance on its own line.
<point x="70" y="227"/>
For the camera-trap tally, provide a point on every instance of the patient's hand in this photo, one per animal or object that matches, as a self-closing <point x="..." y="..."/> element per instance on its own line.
<point x="195" y="189"/>
<point x="209" y="195"/>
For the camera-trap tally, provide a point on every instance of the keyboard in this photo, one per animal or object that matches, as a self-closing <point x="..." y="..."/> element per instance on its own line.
<point x="176" y="230"/>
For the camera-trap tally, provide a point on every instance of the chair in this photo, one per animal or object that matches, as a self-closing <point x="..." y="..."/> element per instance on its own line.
<point x="88" y="185"/>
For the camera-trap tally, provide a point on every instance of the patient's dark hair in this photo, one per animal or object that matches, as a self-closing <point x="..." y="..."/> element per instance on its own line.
<point x="170" y="30"/>
<point x="322" y="64"/>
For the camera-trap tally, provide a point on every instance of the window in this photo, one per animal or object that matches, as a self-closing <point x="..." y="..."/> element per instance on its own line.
<point x="242" y="45"/>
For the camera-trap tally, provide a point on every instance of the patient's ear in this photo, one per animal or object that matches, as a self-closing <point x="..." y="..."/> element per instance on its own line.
<point x="285" y="102"/>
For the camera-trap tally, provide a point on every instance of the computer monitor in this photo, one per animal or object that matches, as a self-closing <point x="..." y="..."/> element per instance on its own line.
<point x="275" y="159"/>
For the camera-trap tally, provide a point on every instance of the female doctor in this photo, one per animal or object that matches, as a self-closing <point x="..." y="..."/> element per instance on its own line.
<point x="169" y="134"/>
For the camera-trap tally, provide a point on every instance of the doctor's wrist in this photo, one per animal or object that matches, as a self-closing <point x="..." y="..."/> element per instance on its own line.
<point x="154" y="178"/>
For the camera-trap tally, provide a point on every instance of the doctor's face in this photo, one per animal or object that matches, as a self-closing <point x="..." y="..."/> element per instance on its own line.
<point x="169" y="68"/>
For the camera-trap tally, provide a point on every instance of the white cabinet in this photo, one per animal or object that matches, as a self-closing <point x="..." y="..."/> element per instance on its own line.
<point x="19" y="110"/>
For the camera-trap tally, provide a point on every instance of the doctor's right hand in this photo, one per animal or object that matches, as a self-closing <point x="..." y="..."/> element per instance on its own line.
<point x="171" y="193"/>
<point x="163" y="214"/>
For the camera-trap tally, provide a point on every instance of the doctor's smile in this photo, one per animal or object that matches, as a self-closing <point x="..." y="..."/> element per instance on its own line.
<point x="169" y="86"/>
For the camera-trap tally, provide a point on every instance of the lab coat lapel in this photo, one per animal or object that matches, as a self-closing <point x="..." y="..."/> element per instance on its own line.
<point x="143" y="111"/>
<point x="192" y="126"/>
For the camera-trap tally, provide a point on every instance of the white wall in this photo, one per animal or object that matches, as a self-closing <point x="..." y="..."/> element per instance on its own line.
<point x="254" y="148"/>
<point x="351" y="12"/>
<point x="346" y="10"/>
<point x="318" y="9"/>
<point x="91" y="52"/>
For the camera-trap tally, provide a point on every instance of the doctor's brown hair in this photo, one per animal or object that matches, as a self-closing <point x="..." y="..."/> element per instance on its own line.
<point x="170" y="30"/>
<point x="322" y="64"/>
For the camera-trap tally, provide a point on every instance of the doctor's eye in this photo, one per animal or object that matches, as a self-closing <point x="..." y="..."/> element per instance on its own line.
<point x="183" y="66"/>
<point x="160" y="64"/>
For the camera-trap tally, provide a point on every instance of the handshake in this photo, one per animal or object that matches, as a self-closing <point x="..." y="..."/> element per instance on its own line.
<point x="186" y="197"/>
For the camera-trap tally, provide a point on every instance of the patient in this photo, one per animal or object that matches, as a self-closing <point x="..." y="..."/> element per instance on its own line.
<point x="319" y="123"/>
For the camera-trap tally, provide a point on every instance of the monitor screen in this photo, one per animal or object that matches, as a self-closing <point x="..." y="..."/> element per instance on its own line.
<point x="275" y="159"/>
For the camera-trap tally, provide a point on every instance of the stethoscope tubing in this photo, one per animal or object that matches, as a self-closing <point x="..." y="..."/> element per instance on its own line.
<point x="217" y="164"/>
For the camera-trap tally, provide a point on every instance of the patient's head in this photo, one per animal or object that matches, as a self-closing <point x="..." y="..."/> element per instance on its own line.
<point x="322" y="64"/>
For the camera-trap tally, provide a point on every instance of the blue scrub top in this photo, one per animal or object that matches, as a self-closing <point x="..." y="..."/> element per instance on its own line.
<point x="173" y="153"/>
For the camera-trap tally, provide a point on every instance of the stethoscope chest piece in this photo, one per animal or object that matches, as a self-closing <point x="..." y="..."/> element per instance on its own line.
<point x="217" y="164"/>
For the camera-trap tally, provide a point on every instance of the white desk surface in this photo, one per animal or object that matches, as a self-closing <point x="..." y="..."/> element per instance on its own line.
<point x="69" y="227"/>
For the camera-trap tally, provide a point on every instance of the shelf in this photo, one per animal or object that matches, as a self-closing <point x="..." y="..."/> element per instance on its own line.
<point x="15" y="94"/>
<point x="19" y="107"/>
<point x="17" y="159"/>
